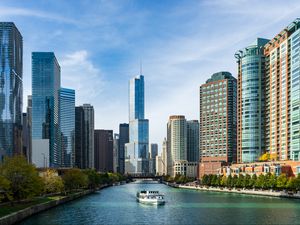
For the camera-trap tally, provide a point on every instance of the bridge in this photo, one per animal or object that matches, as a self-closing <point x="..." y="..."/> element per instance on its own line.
<point x="145" y="176"/>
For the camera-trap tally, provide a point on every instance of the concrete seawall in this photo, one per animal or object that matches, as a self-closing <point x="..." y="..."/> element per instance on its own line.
<point x="27" y="212"/>
<point x="269" y="193"/>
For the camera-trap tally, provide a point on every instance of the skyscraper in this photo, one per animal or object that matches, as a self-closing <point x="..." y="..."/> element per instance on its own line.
<point x="67" y="126"/>
<point x="218" y="121"/>
<point x="11" y="89"/>
<point x="123" y="139"/>
<point x="116" y="153"/>
<point x="193" y="151"/>
<point x="251" y="101"/>
<point x="177" y="144"/>
<point x="283" y="94"/>
<point x="84" y="136"/>
<point x="153" y="154"/>
<point x="137" y="148"/>
<point x="104" y="150"/>
<point x="45" y="105"/>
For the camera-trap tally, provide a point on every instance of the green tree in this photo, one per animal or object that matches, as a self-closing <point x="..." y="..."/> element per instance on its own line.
<point x="260" y="182"/>
<point x="229" y="181"/>
<point x="281" y="182"/>
<point x="53" y="182"/>
<point x="253" y="181"/>
<point x="75" y="179"/>
<point x="5" y="193"/>
<point x="234" y="180"/>
<point x="223" y="181"/>
<point x="24" y="180"/>
<point x="240" y="181"/>
<point x="93" y="178"/>
<point x="247" y="181"/>
<point x="271" y="181"/>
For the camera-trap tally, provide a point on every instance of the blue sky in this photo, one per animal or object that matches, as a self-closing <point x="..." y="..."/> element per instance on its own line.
<point x="99" y="45"/>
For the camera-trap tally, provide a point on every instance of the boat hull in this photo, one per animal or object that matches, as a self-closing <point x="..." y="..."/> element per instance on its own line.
<point x="151" y="201"/>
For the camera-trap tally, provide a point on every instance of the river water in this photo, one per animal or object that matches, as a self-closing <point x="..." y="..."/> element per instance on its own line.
<point x="117" y="205"/>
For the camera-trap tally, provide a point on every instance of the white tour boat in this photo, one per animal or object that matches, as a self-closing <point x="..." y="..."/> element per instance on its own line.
<point x="150" y="197"/>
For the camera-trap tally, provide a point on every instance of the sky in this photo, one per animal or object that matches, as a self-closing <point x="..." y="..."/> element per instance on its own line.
<point x="99" y="45"/>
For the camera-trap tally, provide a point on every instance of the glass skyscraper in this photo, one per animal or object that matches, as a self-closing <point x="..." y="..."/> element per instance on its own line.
<point x="137" y="148"/>
<point x="45" y="103"/>
<point x="11" y="89"/>
<point x="193" y="151"/>
<point x="67" y="126"/>
<point x="123" y="139"/>
<point x="251" y="99"/>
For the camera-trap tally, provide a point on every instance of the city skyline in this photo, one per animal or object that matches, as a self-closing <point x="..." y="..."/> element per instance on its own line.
<point x="171" y="32"/>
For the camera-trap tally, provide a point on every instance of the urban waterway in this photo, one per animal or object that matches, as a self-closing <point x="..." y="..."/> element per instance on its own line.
<point x="118" y="205"/>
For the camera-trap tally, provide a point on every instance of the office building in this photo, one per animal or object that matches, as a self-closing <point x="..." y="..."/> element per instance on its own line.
<point x="137" y="149"/>
<point x="152" y="158"/>
<point x="123" y="139"/>
<point x="164" y="157"/>
<point x="193" y="151"/>
<point x="45" y="104"/>
<point x="84" y="136"/>
<point x="177" y="143"/>
<point x="67" y="126"/>
<point x="103" y="150"/>
<point x="116" y="153"/>
<point x="218" y="121"/>
<point x="251" y="101"/>
<point x="11" y="90"/>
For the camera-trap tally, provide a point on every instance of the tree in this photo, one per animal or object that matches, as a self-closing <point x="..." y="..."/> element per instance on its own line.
<point x="93" y="178"/>
<point x="223" y="181"/>
<point x="53" y="182"/>
<point x="75" y="179"/>
<point x="253" y="181"/>
<point x="265" y="157"/>
<point x="271" y="181"/>
<point x="260" y="182"/>
<point x="281" y="182"/>
<point x="229" y="181"/>
<point x="247" y="181"/>
<point x="24" y="180"/>
<point x="240" y="181"/>
<point x="291" y="184"/>
<point x="5" y="193"/>
<point x="234" y="180"/>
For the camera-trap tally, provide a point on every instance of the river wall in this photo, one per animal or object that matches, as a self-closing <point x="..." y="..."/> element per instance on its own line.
<point x="24" y="213"/>
<point x="269" y="193"/>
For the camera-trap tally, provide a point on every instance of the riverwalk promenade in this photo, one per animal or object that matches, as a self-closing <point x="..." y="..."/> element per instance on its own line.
<point x="269" y="193"/>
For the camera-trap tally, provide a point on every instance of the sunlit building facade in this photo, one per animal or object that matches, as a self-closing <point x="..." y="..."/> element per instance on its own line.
<point x="67" y="126"/>
<point x="45" y="103"/>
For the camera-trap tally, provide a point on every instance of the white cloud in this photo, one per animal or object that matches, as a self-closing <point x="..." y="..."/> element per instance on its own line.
<point x="14" y="11"/>
<point x="79" y="72"/>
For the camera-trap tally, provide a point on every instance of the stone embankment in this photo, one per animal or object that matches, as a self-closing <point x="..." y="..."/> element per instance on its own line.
<point x="269" y="193"/>
<point x="24" y="213"/>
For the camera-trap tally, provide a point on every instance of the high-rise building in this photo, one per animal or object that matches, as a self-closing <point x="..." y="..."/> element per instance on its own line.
<point x="67" y="126"/>
<point x="104" y="150"/>
<point x="165" y="158"/>
<point x="251" y="101"/>
<point x="84" y="136"/>
<point x="152" y="158"/>
<point x="218" y="122"/>
<point x="177" y="144"/>
<point x="27" y="121"/>
<point x="137" y="149"/>
<point x="11" y="90"/>
<point x="123" y="139"/>
<point x="116" y="153"/>
<point x="283" y="94"/>
<point x="193" y="151"/>
<point x="45" y="105"/>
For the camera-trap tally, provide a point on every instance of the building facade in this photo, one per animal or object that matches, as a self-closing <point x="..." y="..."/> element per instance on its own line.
<point x="45" y="103"/>
<point x="283" y="94"/>
<point x="123" y="139"/>
<point x="193" y="151"/>
<point x="153" y="153"/>
<point x="11" y="90"/>
<point x="103" y="150"/>
<point x="67" y="126"/>
<point x="84" y="136"/>
<point x="251" y="101"/>
<point x="116" y="153"/>
<point x="218" y="121"/>
<point x="137" y="149"/>
<point x="177" y="143"/>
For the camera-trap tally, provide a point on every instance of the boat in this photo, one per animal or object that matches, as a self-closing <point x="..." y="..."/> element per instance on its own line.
<point x="150" y="197"/>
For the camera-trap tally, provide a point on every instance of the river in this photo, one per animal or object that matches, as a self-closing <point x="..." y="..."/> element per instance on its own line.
<point x="117" y="205"/>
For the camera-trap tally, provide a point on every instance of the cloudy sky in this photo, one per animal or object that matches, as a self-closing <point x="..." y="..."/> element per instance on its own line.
<point x="100" y="43"/>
